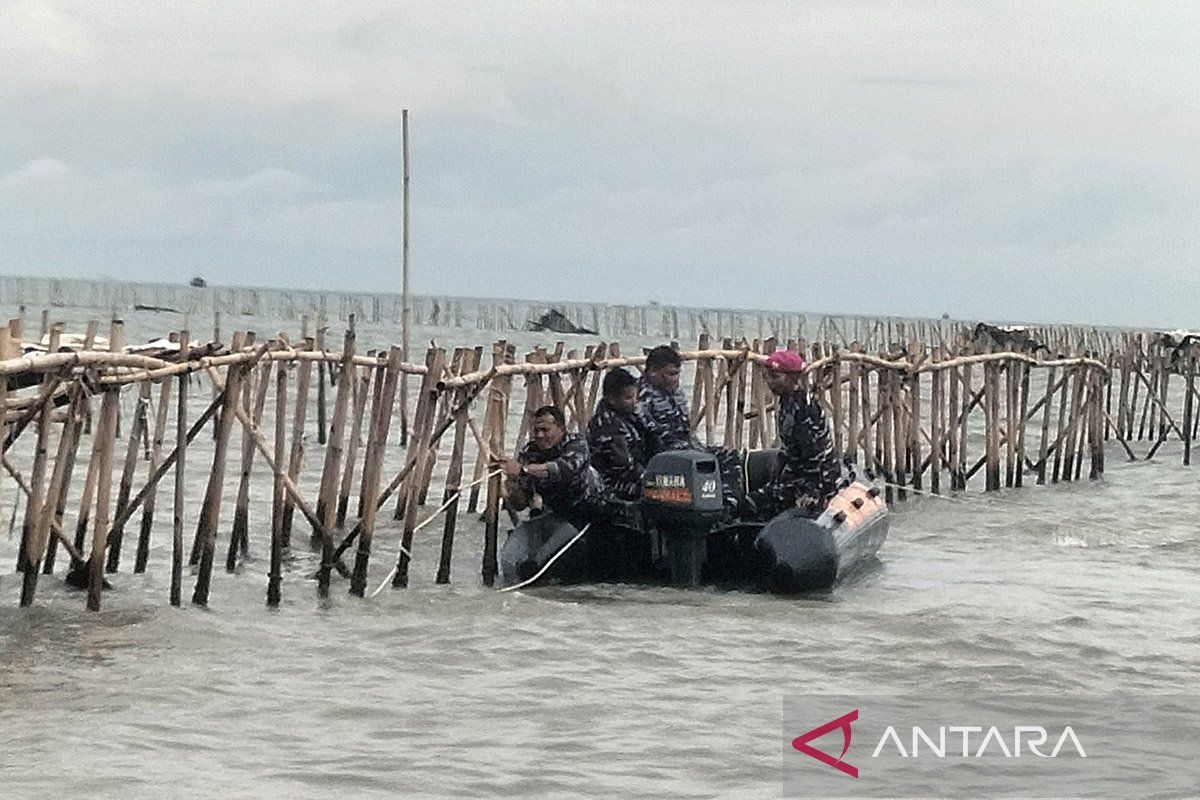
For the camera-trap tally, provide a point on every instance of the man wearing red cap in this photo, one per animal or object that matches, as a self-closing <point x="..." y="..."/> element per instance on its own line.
<point x="810" y="470"/>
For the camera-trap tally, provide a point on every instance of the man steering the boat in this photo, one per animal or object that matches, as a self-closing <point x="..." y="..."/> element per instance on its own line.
<point x="554" y="465"/>
<point x="809" y="476"/>
<point x="663" y="409"/>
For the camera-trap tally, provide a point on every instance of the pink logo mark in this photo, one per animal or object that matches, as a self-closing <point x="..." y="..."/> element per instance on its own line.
<point x="801" y="743"/>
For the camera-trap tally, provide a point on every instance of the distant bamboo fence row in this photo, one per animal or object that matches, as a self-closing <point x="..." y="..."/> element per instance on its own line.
<point x="938" y="419"/>
<point x="500" y="315"/>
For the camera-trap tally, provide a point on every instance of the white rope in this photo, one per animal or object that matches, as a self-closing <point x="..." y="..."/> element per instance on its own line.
<point x="549" y="563"/>
<point x="449" y="500"/>
<point x="392" y="574"/>
<point x="1008" y="501"/>
<point x="922" y="492"/>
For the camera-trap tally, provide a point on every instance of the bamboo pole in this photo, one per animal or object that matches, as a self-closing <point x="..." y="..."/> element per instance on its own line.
<point x="899" y="431"/>
<point x="423" y="424"/>
<point x="1189" y="395"/>
<point x="239" y="537"/>
<point x="376" y="403"/>
<point x="46" y="518"/>
<point x="405" y="311"/>
<point x="105" y="434"/>
<point x="117" y="534"/>
<point x="1082" y="433"/>
<point x="1163" y="390"/>
<point x="27" y="559"/>
<point x="914" y="434"/>
<point x="991" y="383"/>
<point x="441" y="409"/>
<point x="968" y="402"/>
<point x="835" y="406"/>
<point x="373" y="470"/>
<point x="181" y="431"/>
<point x="327" y="504"/>
<point x="360" y="406"/>
<point x="6" y="348"/>
<point x="296" y="458"/>
<point x="160" y="427"/>
<point x="80" y="409"/>
<point x="885" y="440"/>
<point x="279" y="494"/>
<point x="854" y="402"/>
<point x="206" y="529"/>
<point x="1096" y="430"/>
<point x="936" y="418"/>
<point x="481" y="456"/>
<point x="1022" y="416"/>
<point x="450" y="497"/>
<point x="322" y="429"/>
<point x="491" y="515"/>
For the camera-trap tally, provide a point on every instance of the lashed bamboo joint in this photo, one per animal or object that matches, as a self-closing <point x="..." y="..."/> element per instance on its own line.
<point x="903" y="402"/>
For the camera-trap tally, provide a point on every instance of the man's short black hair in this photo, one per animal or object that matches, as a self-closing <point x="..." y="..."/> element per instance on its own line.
<point x="616" y="381"/>
<point x="554" y="412"/>
<point x="663" y="356"/>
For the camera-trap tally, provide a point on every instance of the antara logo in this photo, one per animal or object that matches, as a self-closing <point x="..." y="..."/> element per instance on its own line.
<point x="993" y="741"/>
<point x="801" y="743"/>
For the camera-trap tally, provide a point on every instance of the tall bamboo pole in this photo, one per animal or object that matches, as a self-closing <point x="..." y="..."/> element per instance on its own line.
<point x="105" y="434"/>
<point x="404" y="297"/>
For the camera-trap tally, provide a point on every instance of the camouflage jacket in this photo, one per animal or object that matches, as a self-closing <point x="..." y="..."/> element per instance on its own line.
<point x="620" y="446"/>
<point x="571" y="481"/>
<point x="810" y="470"/>
<point x="665" y="415"/>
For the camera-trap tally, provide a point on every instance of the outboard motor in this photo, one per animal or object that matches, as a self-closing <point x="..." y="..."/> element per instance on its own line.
<point x="681" y="497"/>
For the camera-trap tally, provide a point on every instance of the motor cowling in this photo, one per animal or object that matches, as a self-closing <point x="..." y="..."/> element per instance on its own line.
<point x="682" y="500"/>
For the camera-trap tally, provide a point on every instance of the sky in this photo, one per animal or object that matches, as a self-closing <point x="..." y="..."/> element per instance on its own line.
<point x="1021" y="161"/>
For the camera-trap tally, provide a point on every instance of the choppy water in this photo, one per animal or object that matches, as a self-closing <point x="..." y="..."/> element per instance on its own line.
<point x="439" y="691"/>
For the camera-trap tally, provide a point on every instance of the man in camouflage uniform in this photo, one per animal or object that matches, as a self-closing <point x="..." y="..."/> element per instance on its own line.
<point x="619" y="441"/>
<point x="554" y="465"/>
<point x="661" y="404"/>
<point x="810" y="473"/>
<point x="664" y="411"/>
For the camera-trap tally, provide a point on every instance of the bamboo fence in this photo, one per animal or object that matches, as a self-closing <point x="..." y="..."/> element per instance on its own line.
<point x="924" y="411"/>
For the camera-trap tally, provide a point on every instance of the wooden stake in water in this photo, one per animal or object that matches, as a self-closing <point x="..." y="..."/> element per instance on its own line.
<point x="406" y="301"/>
<point x="239" y="539"/>
<point x="423" y="422"/>
<point x="321" y="367"/>
<point x="327" y="505"/>
<point x="27" y="559"/>
<point x="363" y="390"/>
<point x="275" y="575"/>
<point x="105" y="434"/>
<point x="296" y="458"/>
<point x="373" y="470"/>
<point x="206" y="531"/>
<point x="160" y="428"/>
<point x="181" y="429"/>
<point x="454" y="474"/>
<point x="117" y="534"/>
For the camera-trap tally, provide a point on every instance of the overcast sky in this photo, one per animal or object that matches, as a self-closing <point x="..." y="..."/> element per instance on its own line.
<point x="1036" y="161"/>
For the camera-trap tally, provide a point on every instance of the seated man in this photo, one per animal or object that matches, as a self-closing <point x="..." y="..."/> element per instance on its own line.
<point x="810" y="473"/>
<point x="553" y="464"/>
<point x="620" y="443"/>
<point x="661" y="404"/>
<point x="663" y="409"/>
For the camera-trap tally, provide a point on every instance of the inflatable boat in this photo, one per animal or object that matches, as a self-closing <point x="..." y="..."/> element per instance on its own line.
<point x="681" y="534"/>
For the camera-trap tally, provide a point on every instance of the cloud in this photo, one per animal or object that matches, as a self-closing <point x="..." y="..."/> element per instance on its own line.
<point x="1011" y="160"/>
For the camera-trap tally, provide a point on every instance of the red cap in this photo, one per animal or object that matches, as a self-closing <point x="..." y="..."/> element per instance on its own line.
<point x="785" y="361"/>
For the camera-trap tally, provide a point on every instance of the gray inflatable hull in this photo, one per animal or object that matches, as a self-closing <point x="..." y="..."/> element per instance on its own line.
<point x="799" y="554"/>
<point x="790" y="554"/>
